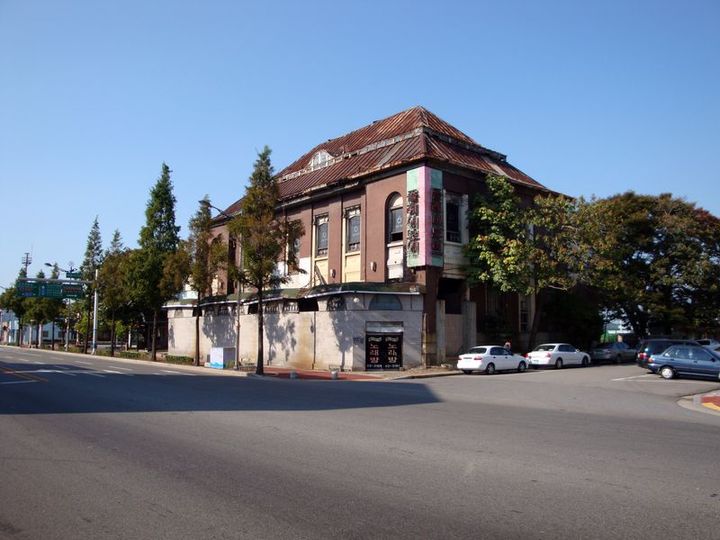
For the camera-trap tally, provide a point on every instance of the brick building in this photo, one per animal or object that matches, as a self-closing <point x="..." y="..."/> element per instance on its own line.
<point x="385" y="215"/>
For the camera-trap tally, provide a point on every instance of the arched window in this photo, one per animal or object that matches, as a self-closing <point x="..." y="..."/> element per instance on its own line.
<point x="395" y="218"/>
<point x="319" y="159"/>
<point x="385" y="302"/>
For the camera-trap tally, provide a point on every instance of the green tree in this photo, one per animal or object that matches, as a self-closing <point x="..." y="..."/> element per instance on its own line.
<point x="264" y="238"/>
<point x="206" y="255"/>
<point x="655" y="261"/>
<point x="158" y="240"/>
<point x="522" y="250"/>
<point x="91" y="262"/>
<point x="10" y="300"/>
<point x="113" y="288"/>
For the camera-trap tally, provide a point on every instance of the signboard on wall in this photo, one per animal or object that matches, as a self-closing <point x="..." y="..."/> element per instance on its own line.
<point x="425" y="217"/>
<point x="383" y="351"/>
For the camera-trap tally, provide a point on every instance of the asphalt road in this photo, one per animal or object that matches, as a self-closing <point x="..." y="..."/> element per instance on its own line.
<point x="99" y="448"/>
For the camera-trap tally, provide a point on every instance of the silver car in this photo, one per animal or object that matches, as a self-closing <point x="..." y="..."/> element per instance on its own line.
<point x="617" y="352"/>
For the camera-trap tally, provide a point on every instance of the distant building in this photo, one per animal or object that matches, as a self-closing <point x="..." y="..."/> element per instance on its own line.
<point x="385" y="213"/>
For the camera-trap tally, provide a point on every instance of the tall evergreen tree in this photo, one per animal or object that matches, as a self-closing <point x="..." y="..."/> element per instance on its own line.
<point x="264" y="239"/>
<point x="158" y="240"/>
<point x="91" y="262"/>
<point x="116" y="244"/>
<point x="206" y="256"/>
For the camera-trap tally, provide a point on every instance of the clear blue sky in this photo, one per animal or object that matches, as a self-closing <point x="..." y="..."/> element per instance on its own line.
<point x="94" y="96"/>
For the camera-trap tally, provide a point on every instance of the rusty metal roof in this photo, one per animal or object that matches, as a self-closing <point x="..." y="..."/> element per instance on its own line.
<point x="412" y="135"/>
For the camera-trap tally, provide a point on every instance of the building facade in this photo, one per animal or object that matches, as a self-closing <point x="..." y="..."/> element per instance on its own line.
<point x="385" y="213"/>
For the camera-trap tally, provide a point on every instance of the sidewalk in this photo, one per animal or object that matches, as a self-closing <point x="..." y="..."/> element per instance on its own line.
<point x="417" y="373"/>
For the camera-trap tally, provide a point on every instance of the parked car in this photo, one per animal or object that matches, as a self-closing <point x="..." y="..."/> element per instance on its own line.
<point x="617" y="352"/>
<point x="558" y="355"/>
<point x="489" y="359"/>
<point x="685" y="360"/>
<point x="648" y="347"/>
<point x="709" y="343"/>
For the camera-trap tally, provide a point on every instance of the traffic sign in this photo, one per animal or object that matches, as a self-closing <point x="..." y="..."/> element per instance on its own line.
<point x="73" y="275"/>
<point x="49" y="288"/>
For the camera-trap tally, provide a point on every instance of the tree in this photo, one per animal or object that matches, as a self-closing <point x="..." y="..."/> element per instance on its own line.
<point x="206" y="255"/>
<point x="655" y="260"/>
<point x="264" y="239"/>
<point x="116" y="244"/>
<point x="113" y="289"/>
<point x="522" y="250"/>
<point x="91" y="262"/>
<point x="158" y="240"/>
<point x="10" y="300"/>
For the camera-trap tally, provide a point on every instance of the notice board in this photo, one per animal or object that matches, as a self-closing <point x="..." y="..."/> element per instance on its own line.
<point x="383" y="351"/>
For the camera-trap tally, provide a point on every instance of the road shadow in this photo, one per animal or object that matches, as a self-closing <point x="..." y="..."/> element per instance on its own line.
<point x="57" y="388"/>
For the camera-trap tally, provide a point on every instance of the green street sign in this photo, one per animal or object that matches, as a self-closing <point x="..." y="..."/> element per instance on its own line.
<point x="40" y="288"/>
<point x="73" y="275"/>
<point x="73" y="290"/>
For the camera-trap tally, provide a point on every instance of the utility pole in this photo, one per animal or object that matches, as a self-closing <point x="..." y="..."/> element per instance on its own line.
<point x="25" y="261"/>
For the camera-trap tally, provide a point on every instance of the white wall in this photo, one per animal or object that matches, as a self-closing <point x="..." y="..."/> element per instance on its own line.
<point x="306" y="340"/>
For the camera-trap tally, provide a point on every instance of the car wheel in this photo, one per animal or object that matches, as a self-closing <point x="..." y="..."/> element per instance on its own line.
<point x="467" y="371"/>
<point x="522" y="366"/>
<point x="585" y="361"/>
<point x="666" y="372"/>
<point x="490" y="369"/>
<point x="558" y="363"/>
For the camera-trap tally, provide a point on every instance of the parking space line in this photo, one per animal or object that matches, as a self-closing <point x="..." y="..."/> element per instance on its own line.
<point x="635" y="377"/>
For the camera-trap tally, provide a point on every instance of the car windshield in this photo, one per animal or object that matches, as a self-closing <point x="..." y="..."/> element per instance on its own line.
<point x="546" y="347"/>
<point x="478" y="350"/>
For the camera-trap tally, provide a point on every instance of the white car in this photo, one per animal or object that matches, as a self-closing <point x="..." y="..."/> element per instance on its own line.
<point x="558" y="355"/>
<point x="489" y="359"/>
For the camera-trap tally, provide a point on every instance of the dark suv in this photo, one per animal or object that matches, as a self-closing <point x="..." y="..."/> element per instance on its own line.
<point x="647" y="347"/>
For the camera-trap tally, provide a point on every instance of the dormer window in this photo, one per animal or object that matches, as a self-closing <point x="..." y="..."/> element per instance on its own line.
<point x="320" y="159"/>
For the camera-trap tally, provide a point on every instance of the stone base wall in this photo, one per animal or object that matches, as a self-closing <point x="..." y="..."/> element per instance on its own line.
<point x="304" y="340"/>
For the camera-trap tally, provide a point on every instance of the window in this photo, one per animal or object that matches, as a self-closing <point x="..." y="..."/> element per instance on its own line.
<point x="321" y="236"/>
<point x="352" y="229"/>
<point x="524" y="314"/>
<point x="396" y="219"/>
<point x="385" y="302"/>
<point x="452" y="217"/>
<point x="320" y="159"/>
<point x="498" y="351"/>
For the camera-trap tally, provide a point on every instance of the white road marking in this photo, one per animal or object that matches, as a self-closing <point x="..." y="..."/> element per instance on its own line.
<point x="173" y="372"/>
<point x="121" y="368"/>
<point x="84" y="363"/>
<point x="94" y="374"/>
<point x="17" y="382"/>
<point x="113" y="372"/>
<point x="635" y="377"/>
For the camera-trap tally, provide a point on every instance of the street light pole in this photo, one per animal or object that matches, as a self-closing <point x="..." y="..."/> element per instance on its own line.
<point x="205" y="202"/>
<point x="95" y="314"/>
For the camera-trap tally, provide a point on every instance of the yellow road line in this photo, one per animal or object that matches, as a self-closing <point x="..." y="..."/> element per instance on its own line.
<point x="10" y="371"/>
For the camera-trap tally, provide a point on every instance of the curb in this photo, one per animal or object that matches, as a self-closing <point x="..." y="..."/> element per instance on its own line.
<point x="706" y="403"/>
